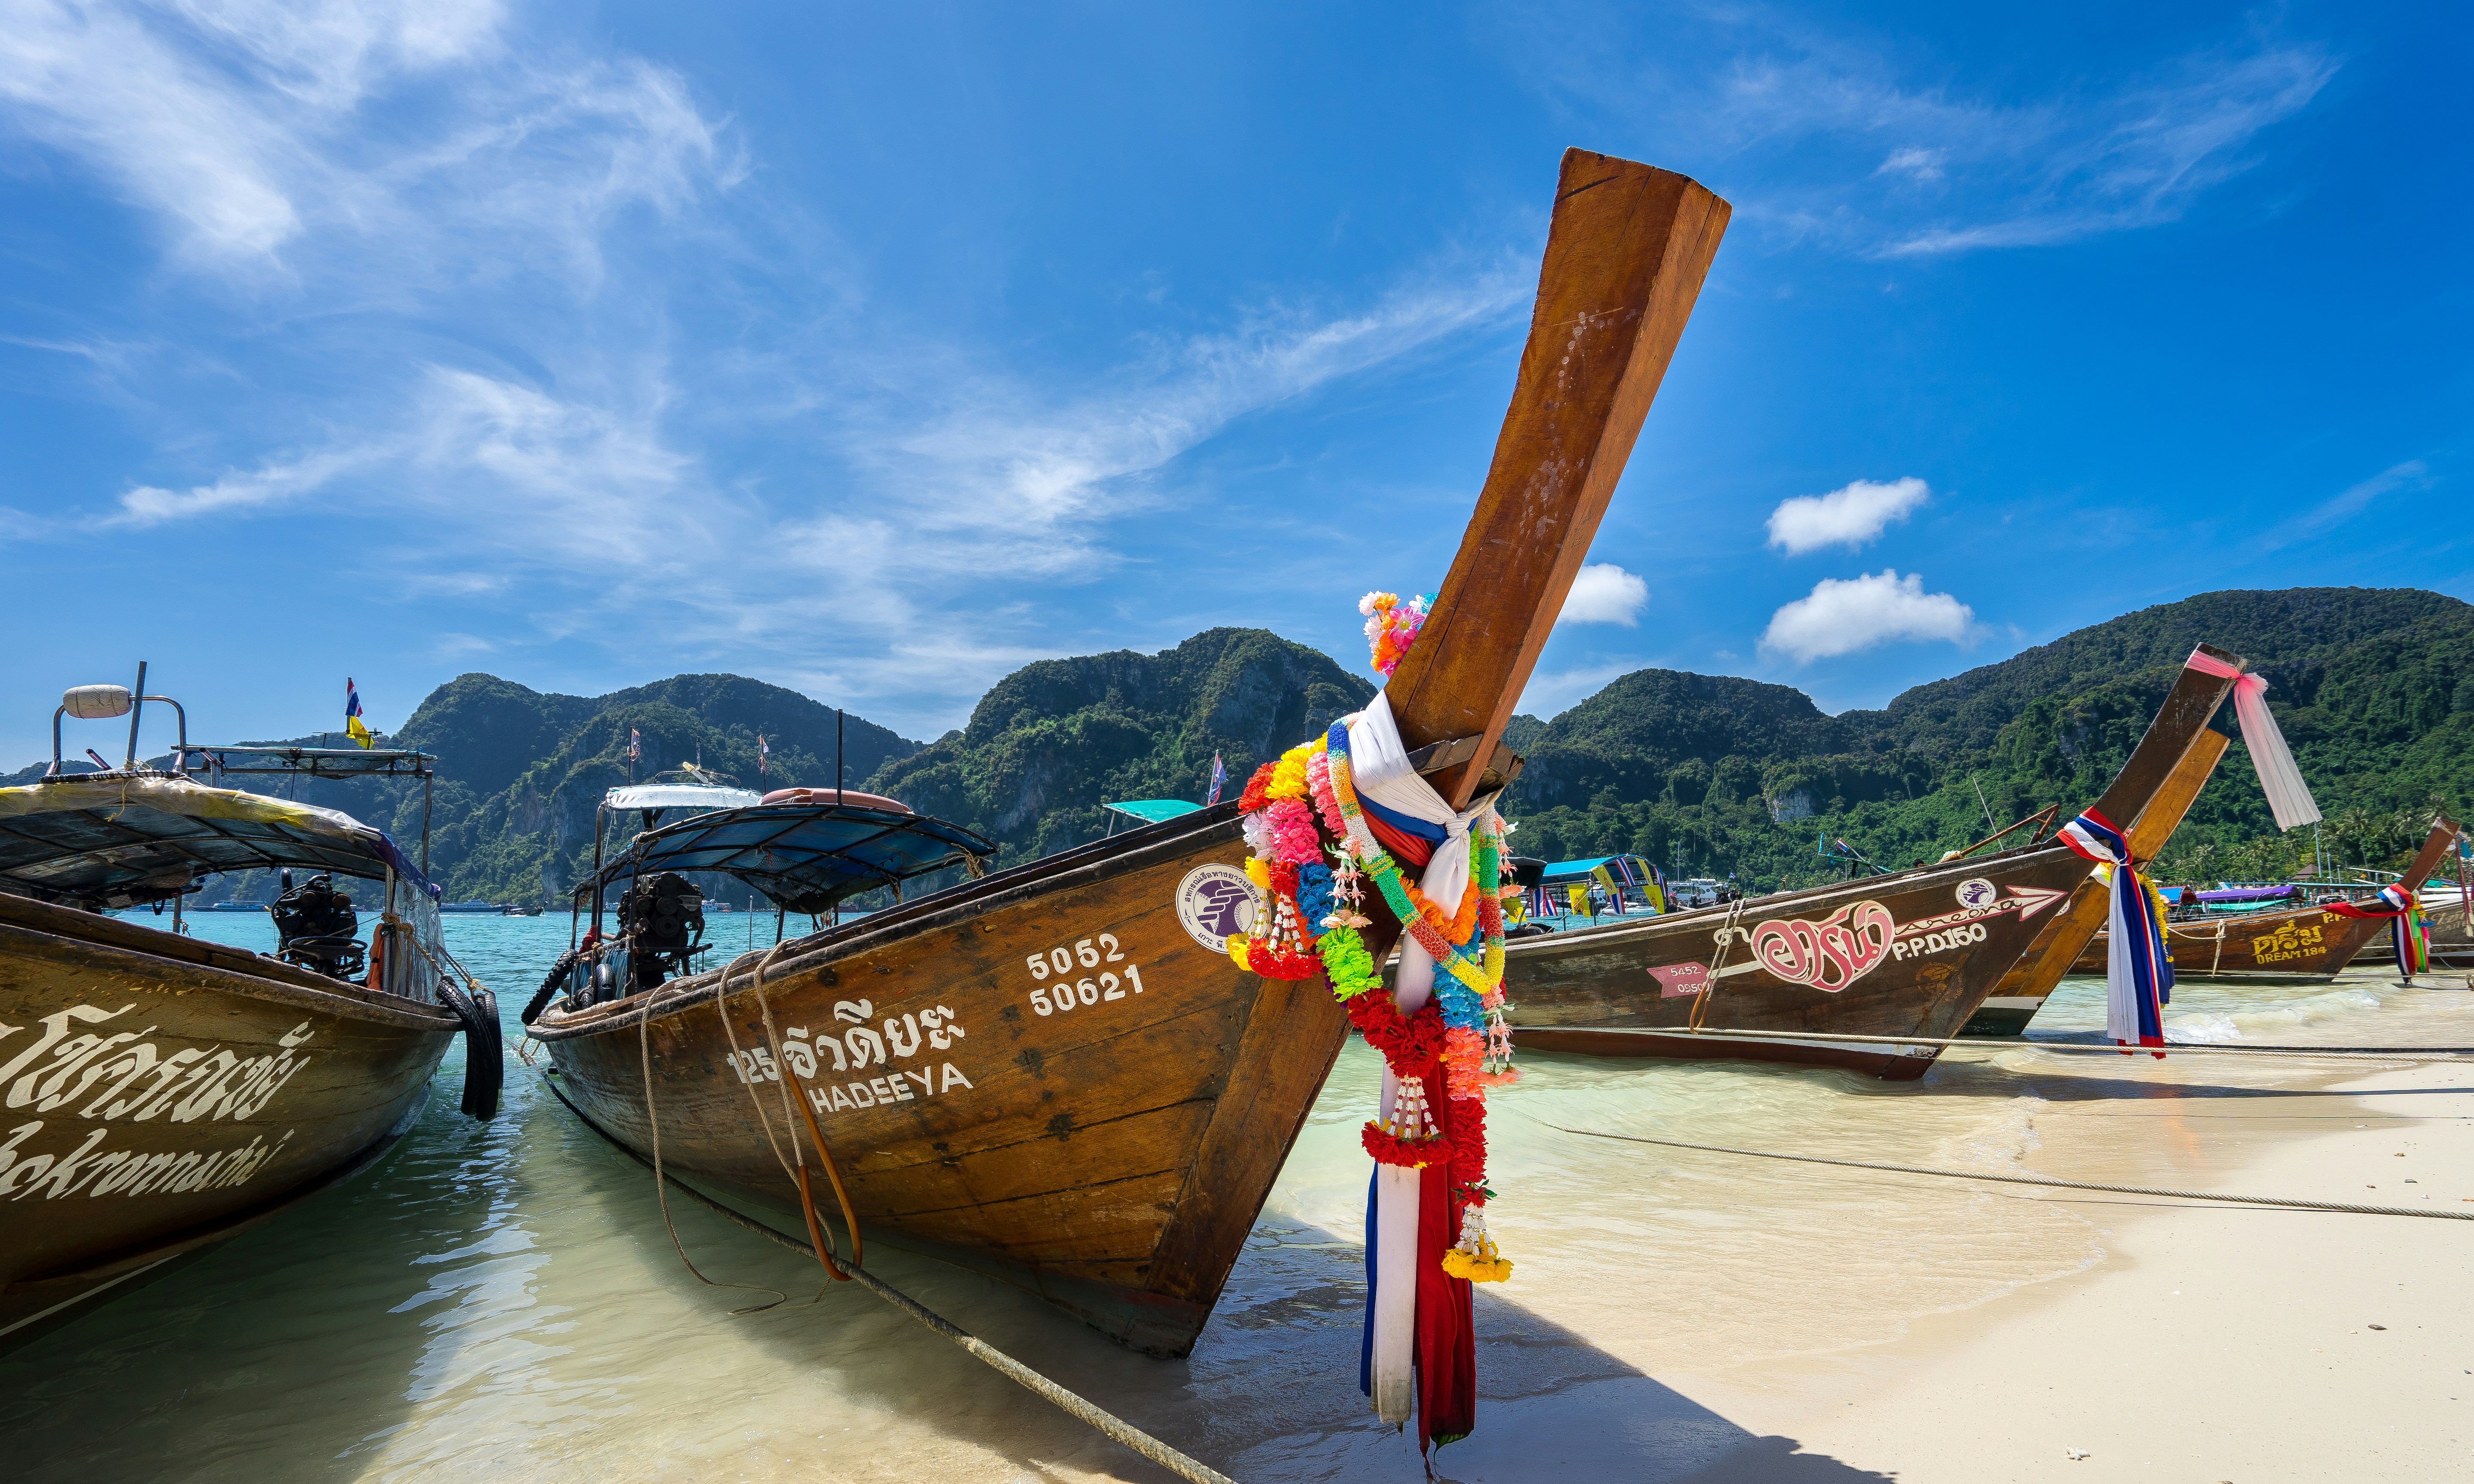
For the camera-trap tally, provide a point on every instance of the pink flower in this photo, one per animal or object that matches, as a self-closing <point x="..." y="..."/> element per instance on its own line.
<point x="1294" y="839"/>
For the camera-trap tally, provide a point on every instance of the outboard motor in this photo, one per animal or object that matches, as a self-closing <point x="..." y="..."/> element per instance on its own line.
<point x="316" y="928"/>
<point x="660" y="917"/>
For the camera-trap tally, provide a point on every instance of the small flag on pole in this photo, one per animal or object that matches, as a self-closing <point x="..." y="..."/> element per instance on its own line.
<point x="1219" y="780"/>
<point x="763" y="752"/>
<point x="634" y="746"/>
<point x="353" y="726"/>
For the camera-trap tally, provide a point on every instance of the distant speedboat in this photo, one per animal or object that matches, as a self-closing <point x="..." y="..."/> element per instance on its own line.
<point x="518" y="909"/>
<point x="154" y="1079"/>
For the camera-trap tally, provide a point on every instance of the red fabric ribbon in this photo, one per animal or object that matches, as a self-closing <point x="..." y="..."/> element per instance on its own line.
<point x="1447" y="1349"/>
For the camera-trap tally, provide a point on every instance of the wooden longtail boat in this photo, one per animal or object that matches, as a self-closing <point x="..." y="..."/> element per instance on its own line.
<point x="2307" y="943"/>
<point x="158" y="1094"/>
<point x="1055" y="1074"/>
<point x="1914" y="952"/>
<point x="2028" y="982"/>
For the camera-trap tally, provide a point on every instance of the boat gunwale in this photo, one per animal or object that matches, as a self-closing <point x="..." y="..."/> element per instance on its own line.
<point x="1097" y="861"/>
<point x="342" y="1000"/>
<point x="1910" y="879"/>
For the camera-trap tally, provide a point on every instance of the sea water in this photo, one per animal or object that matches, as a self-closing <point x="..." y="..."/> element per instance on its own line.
<point x="504" y="1301"/>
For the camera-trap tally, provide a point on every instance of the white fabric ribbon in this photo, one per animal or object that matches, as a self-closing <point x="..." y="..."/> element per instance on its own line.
<point x="1379" y="768"/>
<point x="2289" y="799"/>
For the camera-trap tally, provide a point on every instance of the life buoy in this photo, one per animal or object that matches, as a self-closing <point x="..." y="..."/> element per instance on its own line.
<point x="849" y="798"/>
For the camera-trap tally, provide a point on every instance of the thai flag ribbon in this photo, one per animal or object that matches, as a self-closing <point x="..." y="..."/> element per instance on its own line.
<point x="2409" y="935"/>
<point x="2137" y="974"/>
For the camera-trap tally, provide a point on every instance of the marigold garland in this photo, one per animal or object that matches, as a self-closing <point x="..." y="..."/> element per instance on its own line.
<point x="1304" y="807"/>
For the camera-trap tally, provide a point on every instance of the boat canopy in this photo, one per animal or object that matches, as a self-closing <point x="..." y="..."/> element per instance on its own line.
<point x="679" y="795"/>
<point x="1154" y="811"/>
<point x="147" y="837"/>
<point x="806" y="857"/>
<point x="2248" y="894"/>
<point x="1605" y="870"/>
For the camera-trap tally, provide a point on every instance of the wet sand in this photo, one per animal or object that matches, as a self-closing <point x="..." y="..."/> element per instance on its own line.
<point x="504" y="1302"/>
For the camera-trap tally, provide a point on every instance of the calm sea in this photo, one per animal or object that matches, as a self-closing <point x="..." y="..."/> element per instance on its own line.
<point x="502" y="1302"/>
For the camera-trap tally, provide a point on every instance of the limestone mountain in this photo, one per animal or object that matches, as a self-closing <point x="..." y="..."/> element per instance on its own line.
<point x="1052" y="742"/>
<point x="2375" y="689"/>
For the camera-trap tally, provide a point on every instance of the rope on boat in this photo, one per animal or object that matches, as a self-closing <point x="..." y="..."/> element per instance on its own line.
<point x="2023" y="1179"/>
<point x="2373" y="1053"/>
<point x="1115" y="1427"/>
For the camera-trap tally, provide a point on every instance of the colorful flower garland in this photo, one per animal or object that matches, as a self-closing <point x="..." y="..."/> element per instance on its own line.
<point x="1301" y="809"/>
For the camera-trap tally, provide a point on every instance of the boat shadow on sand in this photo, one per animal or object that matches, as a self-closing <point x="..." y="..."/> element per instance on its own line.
<point x="1270" y="1391"/>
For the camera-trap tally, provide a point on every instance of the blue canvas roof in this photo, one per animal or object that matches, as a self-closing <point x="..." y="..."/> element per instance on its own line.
<point x="1572" y="869"/>
<point x="805" y="856"/>
<point x="1154" y="810"/>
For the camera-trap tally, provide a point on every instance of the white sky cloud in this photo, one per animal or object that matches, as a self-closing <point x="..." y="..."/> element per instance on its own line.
<point x="1604" y="592"/>
<point x="1848" y="516"/>
<point x="1843" y="616"/>
<point x="1826" y="137"/>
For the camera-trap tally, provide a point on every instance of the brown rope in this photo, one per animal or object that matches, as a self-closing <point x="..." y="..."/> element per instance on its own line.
<point x="792" y="1085"/>
<point x="1726" y="937"/>
<point x="661" y="1185"/>
<point x="796" y="1166"/>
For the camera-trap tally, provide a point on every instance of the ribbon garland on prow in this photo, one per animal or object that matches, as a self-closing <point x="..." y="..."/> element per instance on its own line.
<point x="2137" y="971"/>
<point x="2411" y="935"/>
<point x="2138" y="966"/>
<point x="1324" y="820"/>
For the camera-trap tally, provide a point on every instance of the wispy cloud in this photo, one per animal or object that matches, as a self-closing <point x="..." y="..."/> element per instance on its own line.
<point x="243" y="127"/>
<point x="1822" y="135"/>
<point x="2411" y="475"/>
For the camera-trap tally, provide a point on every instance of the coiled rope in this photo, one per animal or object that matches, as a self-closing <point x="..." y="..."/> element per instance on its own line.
<point x="1116" y="1428"/>
<point x="2023" y="1179"/>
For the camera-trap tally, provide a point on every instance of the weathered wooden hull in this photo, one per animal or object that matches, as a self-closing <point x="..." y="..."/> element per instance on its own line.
<point x="1110" y="1157"/>
<point x="2304" y="943"/>
<point x="158" y="1094"/>
<point x="1914" y="954"/>
<point x="1906" y="954"/>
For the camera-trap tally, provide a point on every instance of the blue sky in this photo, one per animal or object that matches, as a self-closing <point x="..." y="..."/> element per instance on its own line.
<point x="874" y="351"/>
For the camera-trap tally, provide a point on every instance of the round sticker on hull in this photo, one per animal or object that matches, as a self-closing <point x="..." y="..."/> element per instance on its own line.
<point x="1976" y="893"/>
<point x="1215" y="903"/>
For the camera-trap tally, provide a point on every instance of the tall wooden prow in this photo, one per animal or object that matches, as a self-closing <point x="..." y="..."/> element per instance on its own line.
<point x="1626" y="253"/>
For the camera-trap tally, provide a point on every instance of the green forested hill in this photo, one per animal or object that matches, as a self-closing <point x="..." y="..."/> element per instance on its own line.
<point x="1704" y="773"/>
<point x="1054" y="740"/>
<point x="2375" y="689"/>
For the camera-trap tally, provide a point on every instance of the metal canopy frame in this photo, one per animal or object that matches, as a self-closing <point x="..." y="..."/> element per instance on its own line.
<point x="746" y="860"/>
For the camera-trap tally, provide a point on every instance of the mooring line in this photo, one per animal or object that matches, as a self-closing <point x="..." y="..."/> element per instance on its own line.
<point x="2354" y="1053"/>
<point x="2021" y="1179"/>
<point x="1115" y="1427"/>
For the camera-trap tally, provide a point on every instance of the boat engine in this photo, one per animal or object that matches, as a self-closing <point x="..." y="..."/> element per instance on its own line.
<point x="661" y="918"/>
<point x="316" y="928"/>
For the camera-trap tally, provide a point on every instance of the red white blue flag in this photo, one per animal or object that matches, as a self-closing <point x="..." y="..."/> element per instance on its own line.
<point x="763" y="752"/>
<point x="635" y="746"/>
<point x="2138" y="975"/>
<point x="1219" y="780"/>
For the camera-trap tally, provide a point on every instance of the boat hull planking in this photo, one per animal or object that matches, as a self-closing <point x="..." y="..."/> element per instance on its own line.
<point x="162" y="1094"/>
<point x="1109" y="1157"/>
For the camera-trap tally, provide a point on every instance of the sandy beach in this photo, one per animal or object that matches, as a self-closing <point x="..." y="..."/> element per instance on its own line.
<point x="505" y="1303"/>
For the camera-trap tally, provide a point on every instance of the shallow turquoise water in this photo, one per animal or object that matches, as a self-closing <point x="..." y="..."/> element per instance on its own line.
<point x="503" y="1300"/>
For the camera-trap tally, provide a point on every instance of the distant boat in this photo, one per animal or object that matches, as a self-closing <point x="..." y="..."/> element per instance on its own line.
<point x="189" y="1052"/>
<point x="518" y="909"/>
<point x="1912" y="953"/>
